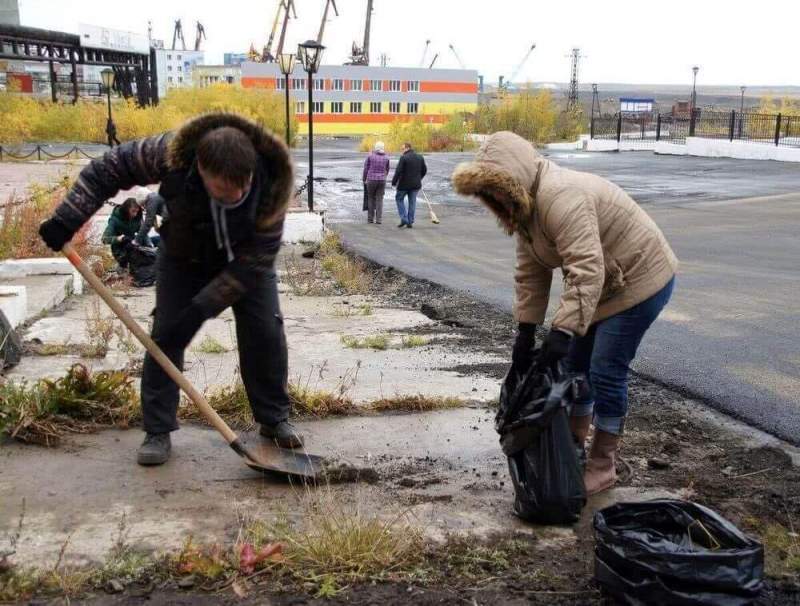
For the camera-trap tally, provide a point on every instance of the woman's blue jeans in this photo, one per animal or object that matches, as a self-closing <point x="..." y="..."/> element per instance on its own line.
<point x="605" y="353"/>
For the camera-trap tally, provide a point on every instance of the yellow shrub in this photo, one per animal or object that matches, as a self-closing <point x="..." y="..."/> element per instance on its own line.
<point x="25" y="119"/>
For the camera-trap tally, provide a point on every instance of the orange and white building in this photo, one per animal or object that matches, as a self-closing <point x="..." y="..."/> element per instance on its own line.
<point x="365" y="99"/>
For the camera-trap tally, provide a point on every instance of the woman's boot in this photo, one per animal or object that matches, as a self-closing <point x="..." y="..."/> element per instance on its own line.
<point x="601" y="473"/>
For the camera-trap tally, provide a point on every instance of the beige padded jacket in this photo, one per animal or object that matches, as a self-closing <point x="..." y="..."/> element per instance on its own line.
<point x="611" y="253"/>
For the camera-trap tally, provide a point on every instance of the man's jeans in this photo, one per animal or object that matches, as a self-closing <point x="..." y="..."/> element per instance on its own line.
<point x="407" y="218"/>
<point x="263" y="358"/>
<point x="605" y="353"/>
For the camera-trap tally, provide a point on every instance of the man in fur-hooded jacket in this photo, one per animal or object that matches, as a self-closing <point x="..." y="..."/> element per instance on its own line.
<point x="618" y="272"/>
<point x="227" y="184"/>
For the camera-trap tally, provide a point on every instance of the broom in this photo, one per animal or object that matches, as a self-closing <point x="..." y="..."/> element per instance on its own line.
<point x="434" y="218"/>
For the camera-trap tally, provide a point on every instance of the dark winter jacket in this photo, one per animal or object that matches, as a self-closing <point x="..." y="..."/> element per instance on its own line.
<point x="154" y="205"/>
<point x="410" y="171"/>
<point x="376" y="167"/>
<point x="254" y="228"/>
<point x="120" y="226"/>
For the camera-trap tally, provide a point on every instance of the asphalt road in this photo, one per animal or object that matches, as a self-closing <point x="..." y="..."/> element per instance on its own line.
<point x="730" y="334"/>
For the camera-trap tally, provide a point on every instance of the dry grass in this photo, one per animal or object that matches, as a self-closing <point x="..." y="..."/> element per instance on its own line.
<point x="306" y="280"/>
<point x="417" y="403"/>
<point x="411" y="341"/>
<point x="20" y="219"/>
<point x="380" y="342"/>
<point x="782" y="549"/>
<point x="230" y="402"/>
<point x="79" y="402"/>
<point x="307" y="401"/>
<point x="99" y="331"/>
<point x="343" y="310"/>
<point x="210" y="345"/>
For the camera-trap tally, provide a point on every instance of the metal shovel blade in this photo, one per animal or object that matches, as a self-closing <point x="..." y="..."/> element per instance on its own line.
<point x="272" y="460"/>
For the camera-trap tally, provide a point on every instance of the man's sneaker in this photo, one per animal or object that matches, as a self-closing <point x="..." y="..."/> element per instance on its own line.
<point x="283" y="434"/>
<point x="402" y="224"/>
<point x="409" y="225"/>
<point x="155" y="449"/>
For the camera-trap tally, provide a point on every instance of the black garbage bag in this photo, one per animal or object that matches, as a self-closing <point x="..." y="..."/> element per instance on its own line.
<point x="675" y="552"/>
<point x="10" y="344"/>
<point x="534" y="433"/>
<point x="142" y="264"/>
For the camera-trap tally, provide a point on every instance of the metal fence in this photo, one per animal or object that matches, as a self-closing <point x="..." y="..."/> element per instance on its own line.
<point x="774" y="129"/>
<point x="40" y="152"/>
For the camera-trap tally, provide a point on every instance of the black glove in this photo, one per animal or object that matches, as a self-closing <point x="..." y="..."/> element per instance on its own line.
<point x="522" y="354"/>
<point x="179" y="334"/>
<point x="555" y="346"/>
<point x="54" y="233"/>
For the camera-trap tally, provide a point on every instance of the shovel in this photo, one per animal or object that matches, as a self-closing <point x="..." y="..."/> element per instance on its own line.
<point x="265" y="458"/>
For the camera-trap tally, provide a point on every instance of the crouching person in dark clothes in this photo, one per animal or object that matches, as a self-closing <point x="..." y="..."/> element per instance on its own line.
<point x="227" y="183"/>
<point x="123" y="225"/>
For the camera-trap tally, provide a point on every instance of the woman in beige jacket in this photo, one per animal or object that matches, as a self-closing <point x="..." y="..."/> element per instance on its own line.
<point x="618" y="273"/>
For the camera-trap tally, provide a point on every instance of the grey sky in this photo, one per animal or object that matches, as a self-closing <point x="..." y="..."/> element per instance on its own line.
<point x="640" y="42"/>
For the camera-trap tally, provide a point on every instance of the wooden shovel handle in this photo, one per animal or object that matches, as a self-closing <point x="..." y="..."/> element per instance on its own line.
<point x="154" y="350"/>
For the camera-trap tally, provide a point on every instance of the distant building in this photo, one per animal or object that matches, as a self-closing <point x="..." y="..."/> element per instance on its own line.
<point x="362" y="100"/>
<point x="234" y="58"/>
<point x="635" y="105"/>
<point x="206" y="75"/>
<point x="174" y="68"/>
<point x="9" y="12"/>
<point x="96" y="36"/>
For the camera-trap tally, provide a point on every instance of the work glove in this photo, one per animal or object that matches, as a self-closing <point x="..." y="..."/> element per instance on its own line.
<point x="179" y="334"/>
<point x="54" y="233"/>
<point x="522" y="354"/>
<point x="555" y="347"/>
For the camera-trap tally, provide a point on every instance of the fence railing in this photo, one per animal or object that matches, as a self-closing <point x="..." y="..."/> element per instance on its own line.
<point x="774" y="129"/>
<point x="39" y="152"/>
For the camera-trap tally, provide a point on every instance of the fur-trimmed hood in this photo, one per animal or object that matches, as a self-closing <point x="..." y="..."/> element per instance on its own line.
<point x="279" y="178"/>
<point x="505" y="176"/>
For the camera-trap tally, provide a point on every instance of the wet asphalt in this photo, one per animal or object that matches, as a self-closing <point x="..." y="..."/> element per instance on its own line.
<point x="730" y="335"/>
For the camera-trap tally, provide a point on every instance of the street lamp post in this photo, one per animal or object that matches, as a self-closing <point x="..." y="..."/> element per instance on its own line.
<point x="286" y="63"/>
<point x="111" y="130"/>
<point x="695" y="69"/>
<point x="741" y="105"/>
<point x="310" y="55"/>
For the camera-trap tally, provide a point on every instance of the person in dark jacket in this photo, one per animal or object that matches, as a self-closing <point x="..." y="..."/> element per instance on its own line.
<point x="227" y="184"/>
<point x="123" y="225"/>
<point x="376" y="169"/>
<point x="154" y="206"/>
<point x="407" y="179"/>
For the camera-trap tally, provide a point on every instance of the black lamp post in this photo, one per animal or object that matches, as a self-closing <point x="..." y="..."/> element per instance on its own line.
<point x="695" y="69"/>
<point x="111" y="130"/>
<point x="310" y="55"/>
<point x="286" y="63"/>
<point x="741" y="105"/>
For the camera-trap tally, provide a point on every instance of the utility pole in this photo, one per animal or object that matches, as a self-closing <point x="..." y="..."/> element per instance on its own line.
<point x="741" y="105"/>
<point x="695" y="69"/>
<point x="572" y="97"/>
<point x="595" y="101"/>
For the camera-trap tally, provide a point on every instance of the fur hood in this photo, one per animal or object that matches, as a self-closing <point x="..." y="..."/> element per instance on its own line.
<point x="279" y="179"/>
<point x="505" y="176"/>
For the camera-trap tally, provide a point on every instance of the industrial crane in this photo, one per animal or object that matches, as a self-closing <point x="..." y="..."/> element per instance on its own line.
<point x="288" y="4"/>
<point x="201" y="34"/>
<point x="266" y="53"/>
<point x="424" y="53"/>
<point x="177" y="33"/>
<point x="519" y="67"/>
<point x="435" y="57"/>
<point x="360" y="56"/>
<point x="455" y="54"/>
<point x="328" y="4"/>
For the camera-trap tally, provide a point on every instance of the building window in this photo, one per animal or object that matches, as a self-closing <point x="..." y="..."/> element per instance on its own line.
<point x="169" y="79"/>
<point x="169" y="68"/>
<point x="338" y="84"/>
<point x="376" y="85"/>
<point x="319" y="107"/>
<point x="178" y="57"/>
<point x="319" y="84"/>
<point x="394" y="86"/>
<point x="299" y="107"/>
<point x="337" y="107"/>
<point x="375" y="107"/>
<point x="180" y="79"/>
<point x="355" y="107"/>
<point x="394" y="107"/>
<point x="412" y="108"/>
<point x="180" y="69"/>
<point x="169" y="57"/>
<point x="298" y="84"/>
<point x="280" y="84"/>
<point x="413" y="86"/>
<point x="356" y="85"/>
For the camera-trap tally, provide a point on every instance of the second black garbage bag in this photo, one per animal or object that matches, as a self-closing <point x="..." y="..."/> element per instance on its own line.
<point x="533" y="423"/>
